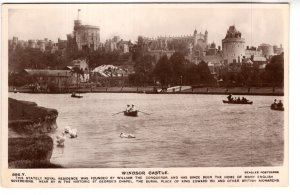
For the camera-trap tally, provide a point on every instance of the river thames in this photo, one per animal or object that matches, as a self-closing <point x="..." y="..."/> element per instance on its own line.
<point x="181" y="131"/>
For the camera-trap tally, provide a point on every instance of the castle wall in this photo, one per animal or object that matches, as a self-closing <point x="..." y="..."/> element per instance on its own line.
<point x="161" y="42"/>
<point x="255" y="53"/>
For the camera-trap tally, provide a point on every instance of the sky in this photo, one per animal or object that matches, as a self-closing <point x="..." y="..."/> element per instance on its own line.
<point x="257" y="23"/>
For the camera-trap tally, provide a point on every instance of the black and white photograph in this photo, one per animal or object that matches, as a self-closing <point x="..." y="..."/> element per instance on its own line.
<point x="153" y="86"/>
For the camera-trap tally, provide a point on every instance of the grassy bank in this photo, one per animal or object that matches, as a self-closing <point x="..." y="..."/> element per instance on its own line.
<point x="30" y="152"/>
<point x="29" y="146"/>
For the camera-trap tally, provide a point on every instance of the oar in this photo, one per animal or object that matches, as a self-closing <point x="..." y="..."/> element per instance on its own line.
<point x="263" y="106"/>
<point x="117" y="113"/>
<point x="143" y="112"/>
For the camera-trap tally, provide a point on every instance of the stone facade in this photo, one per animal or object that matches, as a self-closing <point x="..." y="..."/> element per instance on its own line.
<point x="197" y="45"/>
<point x="117" y="44"/>
<point x="252" y="52"/>
<point x="43" y="45"/>
<point x="163" y="42"/>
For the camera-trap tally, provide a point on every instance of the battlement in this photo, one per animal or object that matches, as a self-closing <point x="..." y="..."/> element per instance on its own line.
<point x="170" y="37"/>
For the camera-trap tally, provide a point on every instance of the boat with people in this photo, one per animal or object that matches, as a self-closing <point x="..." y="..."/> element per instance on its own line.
<point x="130" y="113"/>
<point x="274" y="107"/>
<point x="277" y="106"/>
<point x="231" y="100"/>
<point x="237" y="102"/>
<point x="74" y="95"/>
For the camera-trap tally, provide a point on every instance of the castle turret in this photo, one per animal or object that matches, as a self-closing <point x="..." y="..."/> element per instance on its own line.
<point x="205" y="36"/>
<point x="195" y="37"/>
<point x="213" y="45"/>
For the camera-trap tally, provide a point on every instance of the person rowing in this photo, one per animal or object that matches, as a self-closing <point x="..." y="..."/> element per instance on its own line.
<point x="132" y="109"/>
<point x="280" y="105"/>
<point x="275" y="104"/>
<point x="230" y="97"/>
<point x="128" y="108"/>
<point x="244" y="99"/>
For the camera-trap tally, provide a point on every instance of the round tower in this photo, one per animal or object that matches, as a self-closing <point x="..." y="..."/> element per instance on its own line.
<point x="267" y="50"/>
<point x="233" y="46"/>
<point x="77" y="24"/>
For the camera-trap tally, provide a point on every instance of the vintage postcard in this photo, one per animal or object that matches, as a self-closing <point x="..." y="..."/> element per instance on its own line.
<point x="144" y="95"/>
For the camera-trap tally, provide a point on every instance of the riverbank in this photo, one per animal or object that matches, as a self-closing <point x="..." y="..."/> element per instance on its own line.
<point x="29" y="146"/>
<point x="264" y="91"/>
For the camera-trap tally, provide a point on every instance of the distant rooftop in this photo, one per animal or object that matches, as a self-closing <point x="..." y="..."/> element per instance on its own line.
<point x="48" y="73"/>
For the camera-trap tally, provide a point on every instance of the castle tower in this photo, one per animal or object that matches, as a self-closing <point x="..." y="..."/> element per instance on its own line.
<point x="195" y="32"/>
<point x="267" y="50"/>
<point x="195" y="37"/>
<point x="233" y="46"/>
<point x="77" y="23"/>
<point x="84" y="37"/>
<point x="206" y="36"/>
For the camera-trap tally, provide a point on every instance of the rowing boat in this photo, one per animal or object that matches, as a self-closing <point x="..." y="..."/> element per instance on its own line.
<point x="130" y="113"/>
<point x="236" y="102"/>
<point x="275" y="107"/>
<point x="76" y="96"/>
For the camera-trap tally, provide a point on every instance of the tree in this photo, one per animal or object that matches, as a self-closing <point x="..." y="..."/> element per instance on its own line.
<point x="164" y="71"/>
<point x="275" y="70"/>
<point x="204" y="73"/>
<point x="180" y="66"/>
<point x="198" y="74"/>
<point x="144" y="69"/>
<point x="34" y="58"/>
<point x="79" y="72"/>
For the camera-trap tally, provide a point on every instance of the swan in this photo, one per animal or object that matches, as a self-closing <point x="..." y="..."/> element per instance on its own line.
<point x="73" y="133"/>
<point x="67" y="129"/>
<point x="124" y="135"/>
<point x="60" y="139"/>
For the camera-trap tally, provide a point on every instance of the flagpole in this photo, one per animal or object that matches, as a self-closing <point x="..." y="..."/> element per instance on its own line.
<point x="78" y="14"/>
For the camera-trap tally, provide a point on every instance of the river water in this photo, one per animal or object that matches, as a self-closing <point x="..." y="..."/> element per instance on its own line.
<point x="181" y="131"/>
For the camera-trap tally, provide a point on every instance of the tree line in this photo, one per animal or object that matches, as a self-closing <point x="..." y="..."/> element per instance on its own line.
<point x="272" y="75"/>
<point x="175" y="70"/>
